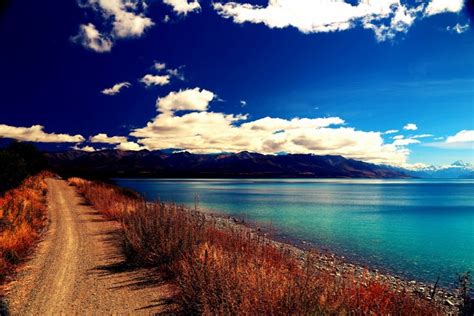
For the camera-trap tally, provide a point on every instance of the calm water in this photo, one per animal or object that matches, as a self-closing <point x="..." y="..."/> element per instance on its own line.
<point x="415" y="228"/>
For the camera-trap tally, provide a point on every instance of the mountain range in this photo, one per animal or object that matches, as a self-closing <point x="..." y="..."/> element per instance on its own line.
<point x="116" y="163"/>
<point x="458" y="169"/>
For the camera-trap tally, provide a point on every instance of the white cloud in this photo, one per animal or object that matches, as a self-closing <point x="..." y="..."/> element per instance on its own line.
<point x="123" y="18"/>
<point x="88" y="149"/>
<point x="410" y="127"/>
<point x="128" y="24"/>
<point x="442" y="6"/>
<point x="183" y="6"/>
<point x="405" y="142"/>
<point x="461" y="140"/>
<point x="401" y="21"/>
<point x="398" y="137"/>
<point x="243" y="102"/>
<point x="176" y="73"/>
<point x="422" y="136"/>
<point x="105" y="139"/>
<point x="458" y="28"/>
<point x="122" y="142"/>
<point x="130" y="146"/>
<point x="92" y="39"/>
<point x="127" y="16"/>
<point x="35" y="133"/>
<point x="391" y="131"/>
<point x="155" y="80"/>
<point x="384" y="17"/>
<point x="190" y="99"/>
<point x="159" y="66"/>
<point x="116" y="88"/>
<point x="462" y="137"/>
<point x="202" y="131"/>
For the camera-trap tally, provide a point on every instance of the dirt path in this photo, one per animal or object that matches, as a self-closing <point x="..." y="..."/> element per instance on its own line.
<point x="78" y="267"/>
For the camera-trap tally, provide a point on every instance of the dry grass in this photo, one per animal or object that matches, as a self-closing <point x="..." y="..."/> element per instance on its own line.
<point x="232" y="271"/>
<point x="111" y="201"/>
<point x="23" y="214"/>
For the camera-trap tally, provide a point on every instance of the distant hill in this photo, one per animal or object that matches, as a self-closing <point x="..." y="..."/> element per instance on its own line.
<point x="114" y="163"/>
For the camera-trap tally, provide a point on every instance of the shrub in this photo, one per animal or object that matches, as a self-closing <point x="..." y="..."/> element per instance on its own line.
<point x="18" y="161"/>
<point x="160" y="234"/>
<point x="111" y="201"/>
<point x="224" y="269"/>
<point x="23" y="215"/>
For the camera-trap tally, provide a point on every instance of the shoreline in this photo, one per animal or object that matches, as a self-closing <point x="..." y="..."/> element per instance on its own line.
<point x="329" y="261"/>
<point x="229" y="243"/>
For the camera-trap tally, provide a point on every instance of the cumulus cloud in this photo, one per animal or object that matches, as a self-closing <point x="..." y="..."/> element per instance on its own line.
<point x="92" y="39"/>
<point x="88" y="149"/>
<point x="462" y="137"/>
<point x="410" y="127"/>
<point x="461" y="140"/>
<point x="130" y="146"/>
<point x="105" y="139"/>
<point x="398" y="137"/>
<point x="400" y="22"/>
<point x="161" y="79"/>
<point x="202" y="131"/>
<point x="458" y="28"/>
<point x="442" y="6"/>
<point x="36" y="133"/>
<point x="155" y="80"/>
<point x="122" y="18"/>
<point x="122" y="142"/>
<point x="385" y="18"/>
<point x="116" y="88"/>
<point x="183" y="7"/>
<point x="391" y="131"/>
<point x="189" y="99"/>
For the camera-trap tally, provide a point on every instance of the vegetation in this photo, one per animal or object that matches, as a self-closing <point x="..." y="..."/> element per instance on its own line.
<point x="221" y="269"/>
<point x="18" y="161"/>
<point x="23" y="214"/>
<point x="467" y="306"/>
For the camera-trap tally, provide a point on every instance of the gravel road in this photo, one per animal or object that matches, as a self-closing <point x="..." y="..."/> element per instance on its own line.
<point x="78" y="267"/>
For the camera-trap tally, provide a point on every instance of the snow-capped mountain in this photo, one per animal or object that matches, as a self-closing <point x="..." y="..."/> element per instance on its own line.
<point x="458" y="169"/>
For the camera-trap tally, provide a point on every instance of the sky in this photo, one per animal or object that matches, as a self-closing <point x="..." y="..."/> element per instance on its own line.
<point x="383" y="81"/>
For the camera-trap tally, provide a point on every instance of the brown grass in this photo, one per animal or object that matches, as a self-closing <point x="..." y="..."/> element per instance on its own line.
<point x="233" y="271"/>
<point x="22" y="218"/>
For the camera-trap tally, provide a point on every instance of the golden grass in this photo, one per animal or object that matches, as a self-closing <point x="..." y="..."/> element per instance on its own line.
<point x="232" y="271"/>
<point x="23" y="215"/>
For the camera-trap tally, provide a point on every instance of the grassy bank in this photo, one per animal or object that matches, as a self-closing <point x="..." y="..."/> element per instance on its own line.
<point x="23" y="214"/>
<point x="221" y="269"/>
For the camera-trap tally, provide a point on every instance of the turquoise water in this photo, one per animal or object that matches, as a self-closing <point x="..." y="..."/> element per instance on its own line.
<point x="415" y="228"/>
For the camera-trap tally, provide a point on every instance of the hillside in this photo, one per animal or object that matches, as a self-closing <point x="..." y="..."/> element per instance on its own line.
<point x="114" y="163"/>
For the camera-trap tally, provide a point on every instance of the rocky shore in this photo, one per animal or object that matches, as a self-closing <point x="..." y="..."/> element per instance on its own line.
<point x="339" y="266"/>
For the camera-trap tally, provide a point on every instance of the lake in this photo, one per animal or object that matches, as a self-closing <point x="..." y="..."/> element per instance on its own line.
<point x="414" y="228"/>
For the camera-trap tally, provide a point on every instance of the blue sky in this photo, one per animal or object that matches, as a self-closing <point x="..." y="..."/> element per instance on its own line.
<point x="281" y="76"/>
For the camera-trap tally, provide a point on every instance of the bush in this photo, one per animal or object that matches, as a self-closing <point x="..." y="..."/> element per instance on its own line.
<point x="160" y="234"/>
<point x="18" y="161"/>
<point x="23" y="215"/>
<point x="222" y="269"/>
